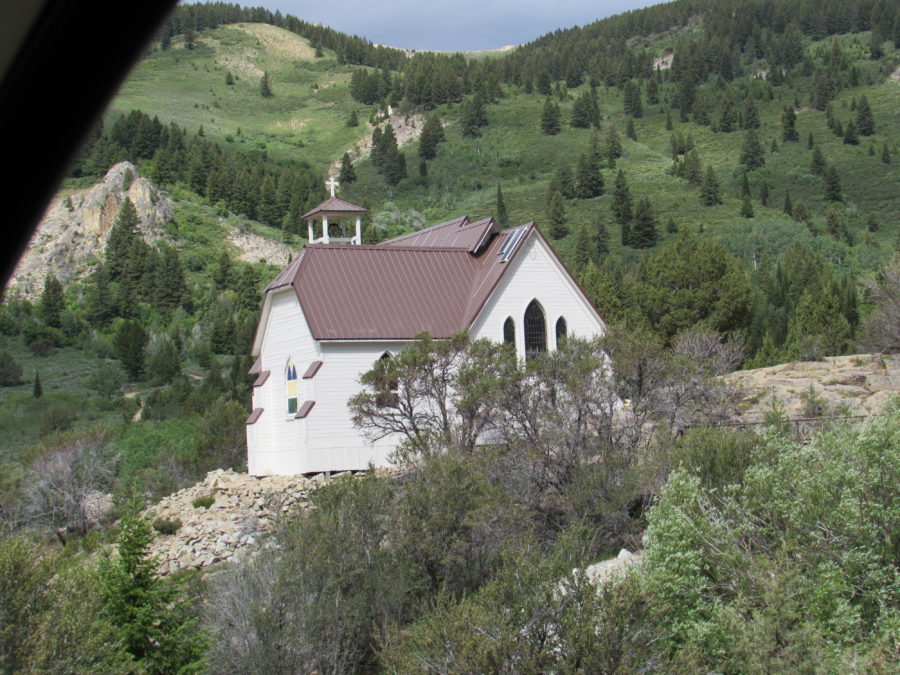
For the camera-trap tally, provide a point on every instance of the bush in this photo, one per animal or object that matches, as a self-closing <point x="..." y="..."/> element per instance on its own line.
<point x="58" y="417"/>
<point x="167" y="525"/>
<point x="203" y="502"/>
<point x="10" y="370"/>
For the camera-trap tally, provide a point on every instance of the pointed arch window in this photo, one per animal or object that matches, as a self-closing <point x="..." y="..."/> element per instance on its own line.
<point x="509" y="331"/>
<point x="291" y="386"/>
<point x="561" y="331"/>
<point x="535" y="326"/>
<point x="388" y="390"/>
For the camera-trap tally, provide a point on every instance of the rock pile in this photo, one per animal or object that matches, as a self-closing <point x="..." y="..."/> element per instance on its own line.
<point x="243" y="508"/>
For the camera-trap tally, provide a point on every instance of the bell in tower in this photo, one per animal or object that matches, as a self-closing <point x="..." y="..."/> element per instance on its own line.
<point x="335" y="215"/>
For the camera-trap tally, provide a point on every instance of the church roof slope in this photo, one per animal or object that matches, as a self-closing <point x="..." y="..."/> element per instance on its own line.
<point x="457" y="233"/>
<point x="395" y="292"/>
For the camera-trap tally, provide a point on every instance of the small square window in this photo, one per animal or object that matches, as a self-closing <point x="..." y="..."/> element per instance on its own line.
<point x="292" y="406"/>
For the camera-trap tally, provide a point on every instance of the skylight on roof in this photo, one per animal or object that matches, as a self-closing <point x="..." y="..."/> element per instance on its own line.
<point x="508" y="246"/>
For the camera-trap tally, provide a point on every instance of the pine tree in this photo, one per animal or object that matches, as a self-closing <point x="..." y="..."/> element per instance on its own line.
<point x="885" y="154"/>
<point x="709" y="190"/>
<point x="432" y="134"/>
<point x="502" y="216"/>
<point x="669" y="120"/>
<point x="671" y="226"/>
<point x="52" y="302"/>
<point x="550" y="118"/>
<point x="601" y="235"/>
<point x="818" y="165"/>
<point x="423" y="169"/>
<point x="751" y="116"/>
<point x="746" y="207"/>
<point x="789" y="126"/>
<point x="151" y="613"/>
<point x="265" y="86"/>
<point x="632" y="99"/>
<point x="10" y="370"/>
<point x="872" y="224"/>
<point x="629" y="130"/>
<point x="613" y="146"/>
<point x="810" y="141"/>
<point x="728" y="120"/>
<point x="129" y="343"/>
<point x="121" y="243"/>
<point x="752" y="153"/>
<point x="745" y="185"/>
<point x="764" y="194"/>
<point x="832" y="185"/>
<point x="865" y="123"/>
<point x="347" y="173"/>
<point x="353" y="119"/>
<point x="556" y="216"/>
<point x="788" y="205"/>
<point x="99" y="302"/>
<point x="644" y="233"/>
<point x="589" y="179"/>
<point x="229" y="79"/>
<point x="562" y="182"/>
<point x="581" y="112"/>
<point x="473" y="117"/>
<point x="621" y="201"/>
<point x="37" y="390"/>
<point x="850" y="135"/>
<point x="584" y="249"/>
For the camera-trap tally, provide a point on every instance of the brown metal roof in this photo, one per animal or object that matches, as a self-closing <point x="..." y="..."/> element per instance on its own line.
<point x="254" y="416"/>
<point x="256" y="368"/>
<point x="304" y="410"/>
<point x="261" y="378"/>
<point x="395" y="292"/>
<point x="312" y="370"/>
<point x="333" y="205"/>
<point x="457" y="233"/>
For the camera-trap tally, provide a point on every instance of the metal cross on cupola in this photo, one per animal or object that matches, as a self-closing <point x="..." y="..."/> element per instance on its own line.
<point x="339" y="213"/>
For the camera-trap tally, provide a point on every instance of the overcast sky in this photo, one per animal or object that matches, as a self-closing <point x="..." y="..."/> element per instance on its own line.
<point x="450" y="25"/>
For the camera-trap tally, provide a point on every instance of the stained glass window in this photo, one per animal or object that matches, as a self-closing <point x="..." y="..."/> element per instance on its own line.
<point x="535" y="329"/>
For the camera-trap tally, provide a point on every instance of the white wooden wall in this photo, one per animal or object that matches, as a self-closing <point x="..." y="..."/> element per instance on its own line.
<point x="536" y="274"/>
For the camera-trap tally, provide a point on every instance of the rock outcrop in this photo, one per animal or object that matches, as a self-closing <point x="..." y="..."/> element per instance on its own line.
<point x="243" y="509"/>
<point x="75" y="227"/>
<point x="858" y="384"/>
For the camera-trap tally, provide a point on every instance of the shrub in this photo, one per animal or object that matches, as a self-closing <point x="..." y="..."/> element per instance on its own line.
<point x="167" y="525"/>
<point x="10" y="370"/>
<point x="203" y="502"/>
<point x="57" y="417"/>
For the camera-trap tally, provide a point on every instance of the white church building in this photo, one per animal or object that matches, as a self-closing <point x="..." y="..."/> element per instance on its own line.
<point x="340" y="306"/>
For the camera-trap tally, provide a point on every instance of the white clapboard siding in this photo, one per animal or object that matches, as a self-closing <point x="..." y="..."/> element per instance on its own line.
<point x="536" y="274"/>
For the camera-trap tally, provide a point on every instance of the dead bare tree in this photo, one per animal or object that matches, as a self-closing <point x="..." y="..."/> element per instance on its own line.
<point x="881" y="327"/>
<point x="65" y="481"/>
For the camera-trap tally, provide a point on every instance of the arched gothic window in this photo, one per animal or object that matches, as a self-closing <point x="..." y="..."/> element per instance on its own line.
<point x="509" y="331"/>
<point x="290" y="376"/>
<point x="387" y="391"/>
<point x="535" y="329"/>
<point x="561" y="332"/>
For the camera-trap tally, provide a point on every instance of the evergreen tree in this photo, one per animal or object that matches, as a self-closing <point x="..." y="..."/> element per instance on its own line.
<point x="818" y="165"/>
<point x="750" y="116"/>
<point x="728" y="120"/>
<point x="832" y="185"/>
<point x="562" y="182"/>
<point x="223" y="275"/>
<point x="423" y="170"/>
<point x="150" y="612"/>
<point x="229" y="79"/>
<point x="99" y="302"/>
<point x="550" y="118"/>
<point x="632" y="99"/>
<point x="473" y="117"/>
<point x="613" y="147"/>
<point x="52" y="302"/>
<point x="823" y="90"/>
<point x="643" y="232"/>
<point x="37" y="390"/>
<point x="746" y="207"/>
<point x="247" y="289"/>
<point x="865" y="123"/>
<point x="10" y="370"/>
<point x="789" y="126"/>
<point x="629" y="129"/>
<point x="872" y="224"/>
<point x="432" y="134"/>
<point x="709" y="189"/>
<point x="170" y="287"/>
<point x="589" y="179"/>
<point x="164" y="365"/>
<point x="353" y="119"/>
<point x="502" y="215"/>
<point x="581" y="112"/>
<point x="129" y="343"/>
<point x="669" y="120"/>
<point x="601" y="235"/>
<point x="810" y="141"/>
<point x="671" y="226"/>
<point x="121" y="243"/>
<point x="764" y="194"/>
<point x="265" y="86"/>
<point x="692" y="169"/>
<point x="788" y="205"/>
<point x="190" y="40"/>
<point x="347" y="173"/>
<point x="850" y="135"/>
<point x="621" y="201"/>
<point x="885" y="154"/>
<point x="556" y="216"/>
<point x="745" y="185"/>
<point x="584" y="249"/>
<point x="752" y="153"/>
